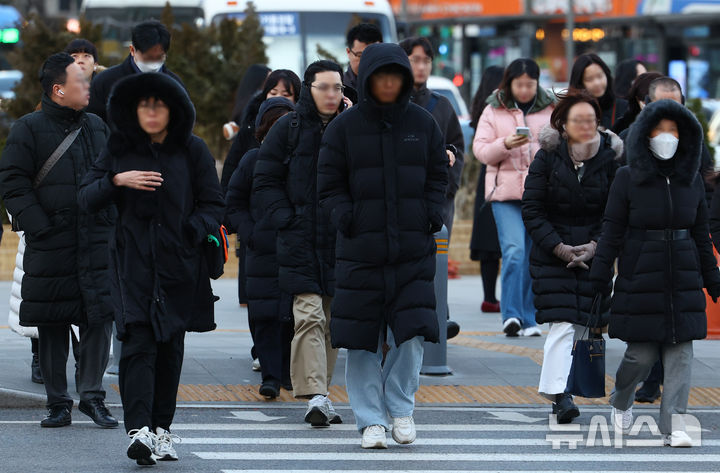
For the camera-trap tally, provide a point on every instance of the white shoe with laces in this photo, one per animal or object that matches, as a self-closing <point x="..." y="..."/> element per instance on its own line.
<point x="533" y="331"/>
<point x="677" y="439"/>
<point x="318" y="414"/>
<point x="622" y="420"/>
<point x="164" y="450"/>
<point x="374" y="437"/>
<point x="333" y="416"/>
<point x="142" y="445"/>
<point x="403" y="430"/>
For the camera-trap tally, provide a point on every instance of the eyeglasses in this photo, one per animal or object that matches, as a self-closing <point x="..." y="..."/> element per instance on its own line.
<point x="586" y="122"/>
<point x="329" y="88"/>
<point x="357" y="55"/>
<point x="146" y="105"/>
<point x="421" y="61"/>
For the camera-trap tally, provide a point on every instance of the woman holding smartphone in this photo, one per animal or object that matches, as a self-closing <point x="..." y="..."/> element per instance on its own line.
<point x="506" y="141"/>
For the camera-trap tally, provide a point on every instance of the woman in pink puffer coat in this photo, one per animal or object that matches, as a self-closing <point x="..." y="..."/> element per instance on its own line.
<point x="519" y="102"/>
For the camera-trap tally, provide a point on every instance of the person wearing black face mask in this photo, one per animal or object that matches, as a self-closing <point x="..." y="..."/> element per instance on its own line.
<point x="656" y="222"/>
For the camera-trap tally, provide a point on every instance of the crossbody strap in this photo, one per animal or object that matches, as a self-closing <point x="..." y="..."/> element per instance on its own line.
<point x="55" y="156"/>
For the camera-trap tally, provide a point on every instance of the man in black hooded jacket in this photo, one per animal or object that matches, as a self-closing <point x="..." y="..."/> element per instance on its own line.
<point x="382" y="177"/>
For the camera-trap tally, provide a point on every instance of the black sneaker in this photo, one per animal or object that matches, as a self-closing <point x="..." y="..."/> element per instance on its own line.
<point x="96" y="410"/>
<point x="58" y="416"/>
<point x="270" y="389"/>
<point x="35" y="373"/>
<point x="452" y="329"/>
<point x="648" y="393"/>
<point x="565" y="408"/>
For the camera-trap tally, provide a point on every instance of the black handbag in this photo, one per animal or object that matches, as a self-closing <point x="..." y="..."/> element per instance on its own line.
<point x="587" y="372"/>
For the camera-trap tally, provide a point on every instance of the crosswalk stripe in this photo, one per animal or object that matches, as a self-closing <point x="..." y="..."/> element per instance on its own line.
<point x="352" y="427"/>
<point x="457" y="457"/>
<point x="534" y="470"/>
<point x="478" y="442"/>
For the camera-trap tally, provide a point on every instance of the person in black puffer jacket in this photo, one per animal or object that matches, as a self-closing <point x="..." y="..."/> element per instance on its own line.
<point x="656" y="221"/>
<point x="286" y="185"/>
<point x="382" y="178"/>
<point x="269" y="309"/>
<point x="66" y="258"/>
<point x="563" y="203"/>
<point x="163" y="181"/>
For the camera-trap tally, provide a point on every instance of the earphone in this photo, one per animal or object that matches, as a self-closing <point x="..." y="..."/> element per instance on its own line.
<point x="61" y="92"/>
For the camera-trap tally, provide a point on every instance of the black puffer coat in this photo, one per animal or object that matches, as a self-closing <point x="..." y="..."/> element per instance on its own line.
<point x="243" y="142"/>
<point x="286" y="183"/>
<point x="658" y="292"/>
<point x="245" y="216"/>
<point x="382" y="177"/>
<point x="158" y="274"/>
<point x="66" y="257"/>
<point x="559" y="208"/>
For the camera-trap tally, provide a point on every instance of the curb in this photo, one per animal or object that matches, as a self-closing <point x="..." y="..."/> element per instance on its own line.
<point x="13" y="399"/>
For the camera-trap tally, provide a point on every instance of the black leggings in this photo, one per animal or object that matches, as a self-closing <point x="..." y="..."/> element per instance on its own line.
<point x="489" y="271"/>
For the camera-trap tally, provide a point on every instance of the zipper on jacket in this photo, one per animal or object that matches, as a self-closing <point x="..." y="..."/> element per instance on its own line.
<point x="668" y="245"/>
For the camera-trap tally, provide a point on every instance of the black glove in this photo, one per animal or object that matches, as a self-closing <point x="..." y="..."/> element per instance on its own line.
<point x="435" y="227"/>
<point x="714" y="293"/>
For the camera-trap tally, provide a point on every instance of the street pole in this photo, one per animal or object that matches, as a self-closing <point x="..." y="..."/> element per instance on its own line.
<point x="404" y="17"/>
<point x="570" y="42"/>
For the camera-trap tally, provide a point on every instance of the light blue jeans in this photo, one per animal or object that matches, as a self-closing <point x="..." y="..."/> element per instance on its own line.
<point x="516" y="284"/>
<point x="376" y="389"/>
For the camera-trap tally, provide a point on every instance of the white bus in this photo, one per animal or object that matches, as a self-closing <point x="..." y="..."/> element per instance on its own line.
<point x="294" y="29"/>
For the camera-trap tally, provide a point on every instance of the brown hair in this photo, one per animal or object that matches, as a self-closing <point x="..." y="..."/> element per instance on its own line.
<point x="268" y="120"/>
<point x="567" y="101"/>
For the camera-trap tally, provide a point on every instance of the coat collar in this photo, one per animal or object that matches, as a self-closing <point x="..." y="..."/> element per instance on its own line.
<point x="65" y="115"/>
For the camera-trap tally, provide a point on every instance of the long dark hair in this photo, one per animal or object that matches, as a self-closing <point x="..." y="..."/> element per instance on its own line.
<point x="638" y="92"/>
<point x="290" y="80"/>
<point x="625" y="74"/>
<point x="491" y="78"/>
<point x="517" y="68"/>
<point x="578" y="70"/>
<point x="251" y="82"/>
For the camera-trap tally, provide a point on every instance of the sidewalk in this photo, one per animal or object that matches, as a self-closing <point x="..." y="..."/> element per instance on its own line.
<point x="488" y="368"/>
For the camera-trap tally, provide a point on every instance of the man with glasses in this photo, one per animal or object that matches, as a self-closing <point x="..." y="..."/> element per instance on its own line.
<point x="358" y="38"/>
<point x="148" y="52"/>
<point x="285" y="181"/>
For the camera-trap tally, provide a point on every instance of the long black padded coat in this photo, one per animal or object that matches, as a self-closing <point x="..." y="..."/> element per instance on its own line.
<point x="382" y="177"/>
<point x="66" y="256"/>
<point x="659" y="288"/>
<point x="245" y="216"/>
<point x="557" y="207"/>
<point x="158" y="274"/>
<point x="285" y="181"/>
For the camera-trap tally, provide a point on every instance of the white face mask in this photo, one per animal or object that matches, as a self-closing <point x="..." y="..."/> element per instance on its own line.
<point x="149" y="66"/>
<point x="664" y="146"/>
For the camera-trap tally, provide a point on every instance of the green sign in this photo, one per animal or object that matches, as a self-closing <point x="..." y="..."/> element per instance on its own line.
<point x="9" y="35"/>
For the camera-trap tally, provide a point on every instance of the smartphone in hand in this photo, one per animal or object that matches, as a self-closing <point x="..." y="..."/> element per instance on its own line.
<point x="522" y="130"/>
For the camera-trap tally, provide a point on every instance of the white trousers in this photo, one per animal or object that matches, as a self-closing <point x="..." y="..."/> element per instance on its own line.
<point x="557" y="358"/>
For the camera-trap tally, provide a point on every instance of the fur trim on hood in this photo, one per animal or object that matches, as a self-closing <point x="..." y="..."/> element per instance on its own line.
<point x="550" y="140"/>
<point x="122" y="111"/>
<point x="687" y="157"/>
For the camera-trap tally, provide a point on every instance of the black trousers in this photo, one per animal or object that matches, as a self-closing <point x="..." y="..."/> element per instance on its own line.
<point x="272" y="345"/>
<point x="149" y="377"/>
<point x="93" y="352"/>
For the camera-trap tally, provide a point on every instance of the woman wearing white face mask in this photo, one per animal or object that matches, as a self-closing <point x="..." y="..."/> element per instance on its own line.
<point x="656" y="221"/>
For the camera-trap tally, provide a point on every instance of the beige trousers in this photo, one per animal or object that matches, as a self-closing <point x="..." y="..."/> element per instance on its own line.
<point x="312" y="358"/>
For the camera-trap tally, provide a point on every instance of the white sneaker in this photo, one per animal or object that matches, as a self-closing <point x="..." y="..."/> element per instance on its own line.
<point x="622" y="420"/>
<point x="403" y="430"/>
<point x="142" y="444"/>
<point x="531" y="332"/>
<point x="256" y="365"/>
<point x="511" y="327"/>
<point x="374" y="437"/>
<point x="333" y="416"/>
<point x="164" y="450"/>
<point x="677" y="439"/>
<point x="318" y="414"/>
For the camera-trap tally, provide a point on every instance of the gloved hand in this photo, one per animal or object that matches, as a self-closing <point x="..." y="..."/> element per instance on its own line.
<point x="582" y="254"/>
<point x="714" y="293"/>
<point x="564" y="252"/>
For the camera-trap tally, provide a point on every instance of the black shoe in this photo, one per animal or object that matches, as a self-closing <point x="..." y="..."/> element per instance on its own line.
<point x="35" y="373"/>
<point x="648" y="393"/>
<point x="452" y="329"/>
<point x="565" y="408"/>
<point x="96" y="410"/>
<point x="270" y="389"/>
<point x="58" y="416"/>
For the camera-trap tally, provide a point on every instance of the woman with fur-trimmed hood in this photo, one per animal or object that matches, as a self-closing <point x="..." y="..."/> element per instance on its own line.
<point x="163" y="182"/>
<point x="565" y="195"/>
<point x="656" y="223"/>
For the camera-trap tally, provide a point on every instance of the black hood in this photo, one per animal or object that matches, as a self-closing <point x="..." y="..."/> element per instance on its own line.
<point x="122" y="111"/>
<point x="687" y="157"/>
<point x="373" y="58"/>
